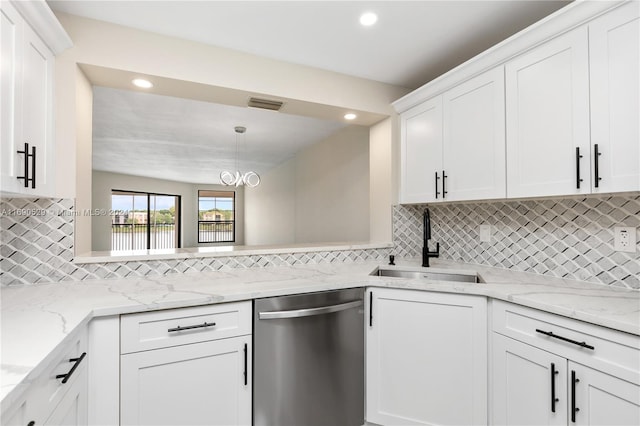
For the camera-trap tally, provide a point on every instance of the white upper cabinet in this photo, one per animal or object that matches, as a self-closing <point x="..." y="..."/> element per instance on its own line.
<point x="547" y="101"/>
<point x="453" y="145"/>
<point x="11" y="28"/>
<point x="555" y="114"/>
<point x="614" y="48"/>
<point x="421" y="152"/>
<point x="27" y="158"/>
<point x="474" y="138"/>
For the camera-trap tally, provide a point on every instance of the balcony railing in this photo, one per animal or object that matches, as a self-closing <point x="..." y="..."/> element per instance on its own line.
<point x="218" y="231"/>
<point x="128" y="236"/>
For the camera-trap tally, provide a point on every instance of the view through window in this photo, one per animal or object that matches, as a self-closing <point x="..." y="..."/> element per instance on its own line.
<point x="142" y="220"/>
<point x="216" y="216"/>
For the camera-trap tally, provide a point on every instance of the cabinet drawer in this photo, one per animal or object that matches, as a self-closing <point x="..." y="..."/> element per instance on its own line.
<point x="161" y="329"/>
<point x="611" y="351"/>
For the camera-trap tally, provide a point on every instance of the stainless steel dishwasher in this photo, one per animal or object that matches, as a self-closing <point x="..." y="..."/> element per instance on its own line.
<point x="309" y="359"/>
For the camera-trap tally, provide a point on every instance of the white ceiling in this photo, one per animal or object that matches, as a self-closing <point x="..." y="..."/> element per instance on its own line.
<point x="412" y="43"/>
<point x="191" y="141"/>
<point x="187" y="140"/>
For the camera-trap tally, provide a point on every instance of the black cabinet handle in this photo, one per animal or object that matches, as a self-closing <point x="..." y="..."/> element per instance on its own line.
<point x="574" y="409"/>
<point x="565" y="339"/>
<point x="437" y="192"/>
<point x="245" y="364"/>
<point x="65" y="377"/>
<point x="370" y="309"/>
<point x="578" y="157"/>
<point x="31" y="423"/>
<point x="444" y="191"/>
<point x="33" y="167"/>
<point x="191" y="327"/>
<point x="553" y="387"/>
<point x="29" y="179"/>
<point x="596" y="165"/>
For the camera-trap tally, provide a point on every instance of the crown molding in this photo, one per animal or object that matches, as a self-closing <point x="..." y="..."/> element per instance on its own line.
<point x="40" y="17"/>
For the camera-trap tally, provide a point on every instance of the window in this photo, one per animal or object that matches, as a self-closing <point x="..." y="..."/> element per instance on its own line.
<point x="143" y="221"/>
<point x="216" y="216"/>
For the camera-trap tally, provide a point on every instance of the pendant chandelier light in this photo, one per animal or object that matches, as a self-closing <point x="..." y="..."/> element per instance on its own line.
<point x="237" y="178"/>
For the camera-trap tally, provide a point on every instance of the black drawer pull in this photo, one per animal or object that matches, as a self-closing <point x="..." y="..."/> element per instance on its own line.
<point x="65" y="377"/>
<point x="31" y="423"/>
<point x="565" y="339"/>
<point x="437" y="179"/>
<point x="191" y="327"/>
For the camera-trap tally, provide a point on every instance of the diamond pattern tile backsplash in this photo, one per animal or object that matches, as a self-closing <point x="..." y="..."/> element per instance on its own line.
<point x="563" y="237"/>
<point x="36" y="238"/>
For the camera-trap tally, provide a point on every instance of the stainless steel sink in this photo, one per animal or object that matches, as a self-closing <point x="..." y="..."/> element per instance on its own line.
<point x="429" y="275"/>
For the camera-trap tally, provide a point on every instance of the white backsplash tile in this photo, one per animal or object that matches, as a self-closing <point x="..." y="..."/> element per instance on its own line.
<point x="563" y="237"/>
<point x="36" y="238"/>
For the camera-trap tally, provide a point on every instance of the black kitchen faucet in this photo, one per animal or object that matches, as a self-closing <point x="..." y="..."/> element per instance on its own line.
<point x="426" y="254"/>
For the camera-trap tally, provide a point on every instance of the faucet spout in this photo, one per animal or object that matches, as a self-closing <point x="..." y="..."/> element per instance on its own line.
<point x="426" y="254"/>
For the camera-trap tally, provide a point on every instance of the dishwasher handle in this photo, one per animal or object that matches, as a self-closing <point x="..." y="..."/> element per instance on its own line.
<point x="297" y="313"/>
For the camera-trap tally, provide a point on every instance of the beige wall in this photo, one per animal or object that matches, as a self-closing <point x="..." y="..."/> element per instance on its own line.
<point x="105" y="182"/>
<point x="112" y="46"/>
<point x="270" y="208"/>
<point x="380" y="181"/>
<point x="84" y="101"/>
<point x="330" y="180"/>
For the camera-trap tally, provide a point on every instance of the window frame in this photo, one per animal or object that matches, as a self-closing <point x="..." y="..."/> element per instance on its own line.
<point x="233" y="222"/>
<point x="178" y="223"/>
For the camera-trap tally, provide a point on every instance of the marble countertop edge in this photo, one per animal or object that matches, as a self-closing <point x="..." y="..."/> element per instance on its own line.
<point x="220" y="251"/>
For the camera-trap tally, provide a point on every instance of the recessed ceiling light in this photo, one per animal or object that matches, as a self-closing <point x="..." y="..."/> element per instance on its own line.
<point x="368" y="18"/>
<point x="140" y="82"/>
<point x="350" y="116"/>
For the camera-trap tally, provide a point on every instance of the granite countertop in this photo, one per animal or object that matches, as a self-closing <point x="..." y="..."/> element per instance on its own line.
<point x="36" y="319"/>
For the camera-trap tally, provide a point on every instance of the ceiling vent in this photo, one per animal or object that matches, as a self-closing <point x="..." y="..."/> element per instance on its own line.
<point x="265" y="104"/>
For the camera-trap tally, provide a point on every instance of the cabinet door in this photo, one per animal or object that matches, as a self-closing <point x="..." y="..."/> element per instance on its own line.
<point x="601" y="399"/>
<point x="205" y="383"/>
<point x="37" y="109"/>
<point x="421" y="152"/>
<point x="26" y="106"/>
<point x="474" y="138"/>
<point x="547" y="101"/>
<point x="528" y="384"/>
<point x="426" y="359"/>
<point x="614" y="47"/>
<point x="72" y="409"/>
<point x="11" y="28"/>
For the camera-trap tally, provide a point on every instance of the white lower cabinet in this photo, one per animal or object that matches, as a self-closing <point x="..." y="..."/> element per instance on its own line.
<point x="58" y="396"/>
<point x="199" y="384"/>
<point x="72" y="410"/>
<point x="602" y="399"/>
<point x="198" y="372"/>
<point x="426" y="358"/>
<point x="526" y="382"/>
<point x="562" y="372"/>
